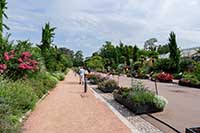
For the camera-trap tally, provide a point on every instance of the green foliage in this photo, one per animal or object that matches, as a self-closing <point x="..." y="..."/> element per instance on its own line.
<point x="140" y="95"/>
<point x="96" y="78"/>
<point x="78" y="59"/>
<point x="47" y="38"/>
<point x="160" y="102"/>
<point x="19" y="95"/>
<point x="163" y="49"/>
<point x="163" y="65"/>
<point x="108" y="84"/>
<point x="186" y="64"/>
<point x="150" y="44"/>
<point x="135" y="53"/>
<point x="95" y="63"/>
<point x="60" y="76"/>
<point x="174" y="53"/>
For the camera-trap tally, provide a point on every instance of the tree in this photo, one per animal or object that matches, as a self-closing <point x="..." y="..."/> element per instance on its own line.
<point x="174" y="53"/>
<point x="150" y="44"/>
<point x="67" y="52"/>
<point x="3" y="7"/>
<point x="163" y="49"/>
<point x="78" y="58"/>
<point x="47" y="37"/>
<point x="95" y="62"/>
<point x="135" y="53"/>
<point x="109" y="54"/>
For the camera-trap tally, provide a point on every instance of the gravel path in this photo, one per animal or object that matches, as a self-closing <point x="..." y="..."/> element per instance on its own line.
<point x="68" y="110"/>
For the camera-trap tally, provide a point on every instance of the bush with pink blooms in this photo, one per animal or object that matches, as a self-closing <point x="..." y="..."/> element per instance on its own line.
<point x="17" y="66"/>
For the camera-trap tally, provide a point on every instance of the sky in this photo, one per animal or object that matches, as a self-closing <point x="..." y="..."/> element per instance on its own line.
<point x="86" y="24"/>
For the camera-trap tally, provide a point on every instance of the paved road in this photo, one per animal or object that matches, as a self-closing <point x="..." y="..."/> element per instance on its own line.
<point x="67" y="110"/>
<point x="183" y="109"/>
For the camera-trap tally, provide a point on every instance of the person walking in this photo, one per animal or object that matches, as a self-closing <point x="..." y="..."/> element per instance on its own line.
<point x="81" y="75"/>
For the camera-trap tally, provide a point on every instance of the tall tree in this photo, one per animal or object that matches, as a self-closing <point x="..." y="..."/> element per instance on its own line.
<point x="78" y="58"/>
<point x="150" y="44"/>
<point x="47" y="37"/>
<point x="174" y="53"/>
<point x="3" y="7"/>
<point x="135" y="53"/>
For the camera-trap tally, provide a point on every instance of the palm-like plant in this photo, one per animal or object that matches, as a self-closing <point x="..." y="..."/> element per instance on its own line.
<point x="47" y="37"/>
<point x="3" y="7"/>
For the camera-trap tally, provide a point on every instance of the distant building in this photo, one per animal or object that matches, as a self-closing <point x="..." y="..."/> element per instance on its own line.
<point x="189" y="52"/>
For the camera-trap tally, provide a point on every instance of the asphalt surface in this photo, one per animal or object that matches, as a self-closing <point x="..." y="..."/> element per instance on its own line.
<point x="183" y="109"/>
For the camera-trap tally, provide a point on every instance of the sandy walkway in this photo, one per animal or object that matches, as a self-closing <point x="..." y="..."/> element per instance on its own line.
<point x="68" y="110"/>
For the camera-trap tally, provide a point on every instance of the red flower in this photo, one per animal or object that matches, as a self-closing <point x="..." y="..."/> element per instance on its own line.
<point x="165" y="77"/>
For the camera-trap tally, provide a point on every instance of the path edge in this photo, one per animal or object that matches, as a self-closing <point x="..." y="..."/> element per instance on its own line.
<point x="122" y="118"/>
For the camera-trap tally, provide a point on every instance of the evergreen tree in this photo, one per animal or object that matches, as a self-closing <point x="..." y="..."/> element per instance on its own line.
<point x="174" y="53"/>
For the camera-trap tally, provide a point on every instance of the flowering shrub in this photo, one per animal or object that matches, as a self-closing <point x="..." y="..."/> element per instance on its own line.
<point x="9" y="55"/>
<point x="3" y="67"/>
<point x="18" y="64"/>
<point x="165" y="77"/>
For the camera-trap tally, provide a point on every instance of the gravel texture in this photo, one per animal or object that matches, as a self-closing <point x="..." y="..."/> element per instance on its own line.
<point x="139" y="123"/>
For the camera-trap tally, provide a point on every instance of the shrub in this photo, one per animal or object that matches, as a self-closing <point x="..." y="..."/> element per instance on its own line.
<point x="186" y="64"/>
<point x="42" y="86"/>
<point x="19" y="95"/>
<point x="141" y="97"/>
<point x="60" y="76"/>
<point x="160" y="102"/>
<point x="163" y="65"/>
<point x="108" y="85"/>
<point x="190" y="79"/>
<point x="177" y="75"/>
<point x="165" y="77"/>
<point x="18" y="65"/>
<point x="154" y="76"/>
<point x="96" y="78"/>
<point x="138" y="95"/>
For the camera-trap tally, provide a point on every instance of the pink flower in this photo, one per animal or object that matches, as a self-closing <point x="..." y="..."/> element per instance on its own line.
<point x="6" y="56"/>
<point x="20" y="60"/>
<point x="3" y="67"/>
<point x="25" y="66"/>
<point x="9" y="55"/>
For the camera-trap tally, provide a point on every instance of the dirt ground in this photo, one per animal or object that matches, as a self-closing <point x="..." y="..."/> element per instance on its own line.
<point x="68" y="110"/>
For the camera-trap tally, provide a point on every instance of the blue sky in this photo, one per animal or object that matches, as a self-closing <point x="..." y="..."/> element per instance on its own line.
<point x="86" y="24"/>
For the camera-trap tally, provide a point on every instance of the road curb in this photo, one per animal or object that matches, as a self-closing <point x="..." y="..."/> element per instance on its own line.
<point x="122" y="118"/>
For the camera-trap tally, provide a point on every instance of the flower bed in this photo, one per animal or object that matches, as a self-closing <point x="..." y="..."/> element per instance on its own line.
<point x="95" y="78"/>
<point x="107" y="86"/>
<point x="190" y="80"/>
<point x="187" y="82"/>
<point x="165" y="77"/>
<point x="139" y="100"/>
